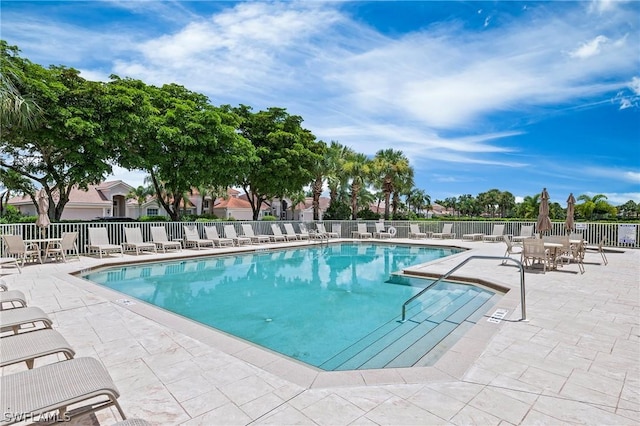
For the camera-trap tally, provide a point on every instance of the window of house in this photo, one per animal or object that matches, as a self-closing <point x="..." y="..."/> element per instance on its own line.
<point x="152" y="212"/>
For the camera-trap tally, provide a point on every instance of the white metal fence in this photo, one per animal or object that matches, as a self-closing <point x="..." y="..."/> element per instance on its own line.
<point x="592" y="232"/>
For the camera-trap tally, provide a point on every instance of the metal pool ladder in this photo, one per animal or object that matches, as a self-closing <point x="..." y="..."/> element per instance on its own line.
<point x="460" y="265"/>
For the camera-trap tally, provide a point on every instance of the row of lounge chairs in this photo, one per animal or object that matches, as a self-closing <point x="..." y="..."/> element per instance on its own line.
<point x="54" y="391"/>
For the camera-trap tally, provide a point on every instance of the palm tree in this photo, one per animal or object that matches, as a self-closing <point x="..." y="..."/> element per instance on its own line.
<point x="336" y="177"/>
<point x="528" y="208"/>
<point x="320" y="172"/>
<point x="16" y="109"/>
<point x="403" y="187"/>
<point x="597" y="205"/>
<point x="358" y="168"/>
<point x="139" y="194"/>
<point x="391" y="167"/>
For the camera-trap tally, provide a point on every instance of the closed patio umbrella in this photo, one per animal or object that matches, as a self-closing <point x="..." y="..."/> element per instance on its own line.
<point x="544" y="223"/>
<point x="571" y="202"/>
<point x="43" y="212"/>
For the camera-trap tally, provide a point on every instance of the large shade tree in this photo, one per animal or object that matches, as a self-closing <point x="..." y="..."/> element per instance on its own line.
<point x="69" y="144"/>
<point x="182" y="141"/>
<point x="287" y="154"/>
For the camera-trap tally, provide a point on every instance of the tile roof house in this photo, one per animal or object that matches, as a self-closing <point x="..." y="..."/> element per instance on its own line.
<point x="106" y="199"/>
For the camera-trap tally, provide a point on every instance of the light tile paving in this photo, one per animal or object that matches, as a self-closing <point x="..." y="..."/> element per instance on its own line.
<point x="576" y="360"/>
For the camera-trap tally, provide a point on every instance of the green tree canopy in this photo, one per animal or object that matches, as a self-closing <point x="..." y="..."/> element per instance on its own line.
<point x="68" y="145"/>
<point x="286" y="153"/>
<point x="181" y="140"/>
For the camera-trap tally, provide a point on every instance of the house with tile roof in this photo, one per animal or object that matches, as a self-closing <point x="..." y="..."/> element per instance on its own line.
<point x="106" y="199"/>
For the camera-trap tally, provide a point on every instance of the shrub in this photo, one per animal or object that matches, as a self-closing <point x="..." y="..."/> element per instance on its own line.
<point x="153" y="218"/>
<point x="269" y="218"/>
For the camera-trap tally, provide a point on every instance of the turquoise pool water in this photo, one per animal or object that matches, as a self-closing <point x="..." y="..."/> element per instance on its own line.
<point x="311" y="303"/>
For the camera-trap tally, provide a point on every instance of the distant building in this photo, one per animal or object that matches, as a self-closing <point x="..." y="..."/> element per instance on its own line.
<point x="107" y="199"/>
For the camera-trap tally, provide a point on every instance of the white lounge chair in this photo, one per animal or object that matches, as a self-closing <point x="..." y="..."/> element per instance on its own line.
<point x="288" y="227"/>
<point x="230" y="232"/>
<point x="20" y="249"/>
<point x="278" y="235"/>
<point x="192" y="238"/>
<point x="415" y="232"/>
<point x="321" y="229"/>
<point x="160" y="239"/>
<point x="380" y="232"/>
<point x="71" y="388"/>
<point x="26" y="347"/>
<point x="67" y="246"/>
<point x="361" y="232"/>
<point x="99" y="242"/>
<point x="526" y="231"/>
<point x="496" y="234"/>
<point x="212" y="234"/>
<point x="12" y="299"/>
<point x="134" y="241"/>
<point x="248" y="232"/>
<point x="446" y="232"/>
<point x="23" y="319"/>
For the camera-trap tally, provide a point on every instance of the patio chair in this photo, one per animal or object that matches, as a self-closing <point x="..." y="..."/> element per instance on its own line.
<point x="192" y="238"/>
<point x="211" y="232"/>
<point x="230" y="232"/>
<point x="20" y="249"/>
<point x="415" y="232"/>
<point x="336" y="229"/>
<point x="533" y="251"/>
<point x="380" y="232"/>
<point x="278" y="235"/>
<point x="12" y="299"/>
<point x="288" y="228"/>
<point x="134" y="241"/>
<point x="446" y="232"/>
<point x="496" y="234"/>
<point x="160" y="239"/>
<point x="10" y="262"/>
<point x="59" y="387"/>
<point x="247" y="230"/>
<point x="99" y="242"/>
<point x="26" y="347"/>
<point x="511" y="249"/>
<point x="321" y="229"/>
<point x="576" y="254"/>
<point x="67" y="246"/>
<point x="557" y="254"/>
<point x="23" y="319"/>
<point x="598" y="249"/>
<point x="525" y="232"/>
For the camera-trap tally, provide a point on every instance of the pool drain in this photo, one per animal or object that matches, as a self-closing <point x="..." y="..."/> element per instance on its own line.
<point x="498" y="316"/>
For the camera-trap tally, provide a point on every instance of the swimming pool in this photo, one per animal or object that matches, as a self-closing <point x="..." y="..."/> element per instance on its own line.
<point x="335" y="307"/>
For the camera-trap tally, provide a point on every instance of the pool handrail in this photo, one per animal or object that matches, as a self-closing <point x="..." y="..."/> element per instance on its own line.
<point x="460" y="265"/>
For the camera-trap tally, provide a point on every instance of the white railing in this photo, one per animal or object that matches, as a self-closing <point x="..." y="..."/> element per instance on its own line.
<point x="592" y="233"/>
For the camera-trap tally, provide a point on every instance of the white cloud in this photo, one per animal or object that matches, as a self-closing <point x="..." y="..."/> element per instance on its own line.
<point x="590" y="48"/>
<point x="634" y="85"/>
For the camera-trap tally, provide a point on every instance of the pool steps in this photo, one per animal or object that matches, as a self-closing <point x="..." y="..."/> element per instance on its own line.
<point x="428" y="332"/>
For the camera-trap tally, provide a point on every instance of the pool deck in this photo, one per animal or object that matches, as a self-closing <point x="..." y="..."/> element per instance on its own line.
<point x="575" y="360"/>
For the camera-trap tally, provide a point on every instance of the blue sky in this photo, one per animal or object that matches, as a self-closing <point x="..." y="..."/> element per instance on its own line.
<point x="510" y="95"/>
